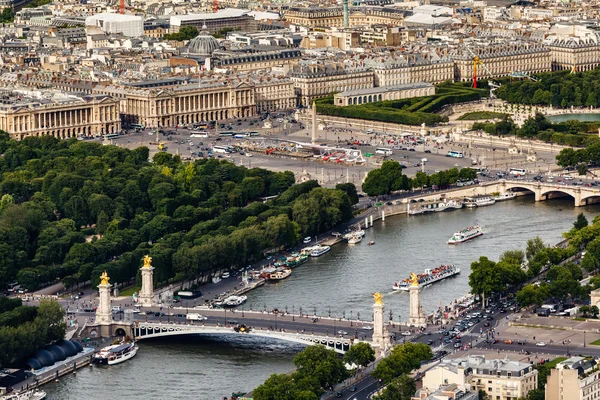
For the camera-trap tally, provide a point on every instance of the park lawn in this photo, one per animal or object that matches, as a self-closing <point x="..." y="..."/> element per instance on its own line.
<point x="596" y="342"/>
<point x="129" y="291"/>
<point x="476" y="115"/>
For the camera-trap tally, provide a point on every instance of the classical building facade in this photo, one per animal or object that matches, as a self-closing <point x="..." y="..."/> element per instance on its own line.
<point x="573" y="54"/>
<point x="500" y="379"/>
<point x="229" y="18"/>
<point x="410" y="68"/>
<point x="576" y="378"/>
<point x="254" y="59"/>
<point x="274" y="94"/>
<point x="22" y="115"/>
<point x="319" y="80"/>
<point x="364" y="96"/>
<point x="501" y="60"/>
<point x="334" y="17"/>
<point x="209" y="100"/>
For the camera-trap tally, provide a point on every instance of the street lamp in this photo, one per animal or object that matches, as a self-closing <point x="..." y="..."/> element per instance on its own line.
<point x="584" y="339"/>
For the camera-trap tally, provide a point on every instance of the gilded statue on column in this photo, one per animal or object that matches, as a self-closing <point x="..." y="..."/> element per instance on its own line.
<point x="147" y="261"/>
<point x="414" y="279"/>
<point x="378" y="298"/>
<point x="104" y="278"/>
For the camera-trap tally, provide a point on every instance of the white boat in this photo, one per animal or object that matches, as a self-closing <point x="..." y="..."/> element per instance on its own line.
<point x="418" y="208"/>
<point x="28" y="395"/>
<point x="479" y="201"/>
<point x="280" y="274"/>
<point x="505" y="196"/>
<point x="319" y="250"/>
<point x="428" y="277"/>
<point x="355" y="239"/>
<point x="466" y="234"/>
<point x="233" y="301"/>
<point x="352" y="234"/>
<point x="115" y="354"/>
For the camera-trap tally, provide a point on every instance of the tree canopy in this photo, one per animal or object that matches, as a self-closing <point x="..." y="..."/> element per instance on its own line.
<point x="72" y="209"/>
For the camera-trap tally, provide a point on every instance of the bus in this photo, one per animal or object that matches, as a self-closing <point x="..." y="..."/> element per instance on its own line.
<point x="518" y="171"/>
<point x="137" y="126"/>
<point x="384" y="151"/>
<point x="111" y="136"/>
<point x="240" y="136"/>
<point x="198" y="134"/>
<point x="226" y="133"/>
<point x="253" y="133"/>
<point x="222" y="149"/>
<point x="455" y="154"/>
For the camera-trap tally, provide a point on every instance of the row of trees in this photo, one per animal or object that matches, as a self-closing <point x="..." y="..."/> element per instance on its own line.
<point x="581" y="157"/>
<point x="186" y="32"/>
<point x="570" y="133"/>
<point x="71" y="209"/>
<point x="558" y="89"/>
<point x="389" y="178"/>
<point x="23" y="329"/>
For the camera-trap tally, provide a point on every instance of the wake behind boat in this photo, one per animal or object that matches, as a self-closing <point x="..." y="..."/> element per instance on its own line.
<point x="115" y="354"/>
<point x="466" y="234"/>
<point x="429" y="277"/>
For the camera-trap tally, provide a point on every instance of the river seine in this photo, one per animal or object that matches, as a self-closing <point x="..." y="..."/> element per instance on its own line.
<point x="337" y="282"/>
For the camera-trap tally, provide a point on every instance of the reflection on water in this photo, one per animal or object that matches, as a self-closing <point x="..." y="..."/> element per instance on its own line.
<point x="578" y="117"/>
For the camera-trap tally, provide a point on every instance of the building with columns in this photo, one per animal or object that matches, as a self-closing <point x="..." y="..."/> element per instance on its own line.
<point x="334" y="16"/>
<point x="26" y="113"/>
<point x="401" y="69"/>
<point x="364" y="96"/>
<point x="211" y="99"/>
<point x="573" y="47"/>
<point x="274" y="93"/>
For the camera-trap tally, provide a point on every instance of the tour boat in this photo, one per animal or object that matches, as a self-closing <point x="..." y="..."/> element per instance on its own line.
<point x="353" y="234"/>
<point x="466" y="234"/>
<point x="319" y="250"/>
<point x="417" y="208"/>
<point x="280" y="274"/>
<point x="115" y="354"/>
<point x="28" y="395"/>
<point x="479" y="201"/>
<point x="505" y="196"/>
<point x="233" y="301"/>
<point x="428" y="277"/>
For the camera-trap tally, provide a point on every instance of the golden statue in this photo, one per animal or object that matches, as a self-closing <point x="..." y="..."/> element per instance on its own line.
<point x="414" y="279"/>
<point x="104" y="278"/>
<point x="378" y="298"/>
<point x="147" y="261"/>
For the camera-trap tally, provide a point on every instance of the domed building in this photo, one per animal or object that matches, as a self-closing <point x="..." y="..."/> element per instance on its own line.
<point x="203" y="45"/>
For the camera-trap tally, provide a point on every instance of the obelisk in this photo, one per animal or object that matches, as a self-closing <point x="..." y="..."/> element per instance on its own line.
<point x="146" y="296"/>
<point x="103" y="312"/>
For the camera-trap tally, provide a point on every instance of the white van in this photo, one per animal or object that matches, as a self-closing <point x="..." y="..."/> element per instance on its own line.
<point x="115" y="309"/>
<point x="307" y="240"/>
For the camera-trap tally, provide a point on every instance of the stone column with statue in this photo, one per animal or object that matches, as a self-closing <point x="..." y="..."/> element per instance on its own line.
<point x="146" y="296"/>
<point x="381" y="338"/>
<point x="103" y="312"/>
<point x="416" y="316"/>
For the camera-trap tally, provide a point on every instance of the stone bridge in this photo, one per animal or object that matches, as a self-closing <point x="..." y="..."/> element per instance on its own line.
<point x="149" y="330"/>
<point x="581" y="195"/>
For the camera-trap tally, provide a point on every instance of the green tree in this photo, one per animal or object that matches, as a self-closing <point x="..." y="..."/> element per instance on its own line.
<point x="594" y="311"/>
<point x="582" y="169"/>
<point x="350" y="190"/>
<point x="581" y="222"/>
<point x="322" y="364"/>
<point x="7" y="15"/>
<point x="402" y="359"/>
<point x="533" y="247"/>
<point x="360" y="354"/>
<point x="186" y="32"/>
<point x="376" y="183"/>
<point x="485" y="278"/>
<point x="533" y="295"/>
<point x="401" y="388"/>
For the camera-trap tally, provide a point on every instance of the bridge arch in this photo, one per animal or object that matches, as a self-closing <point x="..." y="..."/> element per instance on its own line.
<point x="516" y="187"/>
<point x="157" y="330"/>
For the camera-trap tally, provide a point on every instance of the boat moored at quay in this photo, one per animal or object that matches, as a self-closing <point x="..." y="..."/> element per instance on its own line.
<point x="417" y="208"/>
<point x="115" y="354"/>
<point x="428" y="277"/>
<point x="505" y="196"/>
<point x="466" y="234"/>
<point x="479" y="201"/>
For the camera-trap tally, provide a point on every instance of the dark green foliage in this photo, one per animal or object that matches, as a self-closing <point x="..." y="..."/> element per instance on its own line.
<point x="198" y="217"/>
<point x="186" y="32"/>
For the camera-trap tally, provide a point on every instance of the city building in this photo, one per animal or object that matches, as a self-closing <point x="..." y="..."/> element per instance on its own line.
<point x="500" y="379"/>
<point x="318" y="80"/>
<point x="329" y="17"/>
<point x="35" y="113"/>
<point x="404" y="68"/>
<point x="229" y="18"/>
<point x="448" y="392"/>
<point x="500" y="59"/>
<point x="125" y="24"/>
<point x="274" y="93"/>
<point x="576" y="378"/>
<point x="209" y="99"/>
<point x="573" y="47"/>
<point x="364" y="96"/>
